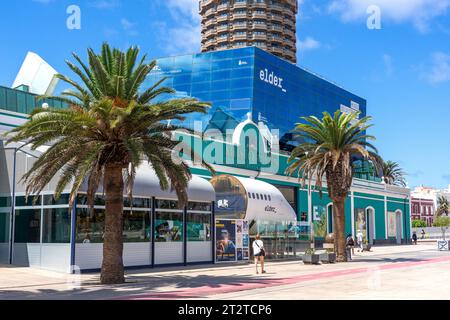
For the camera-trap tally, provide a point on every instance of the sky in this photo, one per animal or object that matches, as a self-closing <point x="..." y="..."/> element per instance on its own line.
<point x="394" y="53"/>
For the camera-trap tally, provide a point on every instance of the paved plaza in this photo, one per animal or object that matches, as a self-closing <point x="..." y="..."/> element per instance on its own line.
<point x="388" y="272"/>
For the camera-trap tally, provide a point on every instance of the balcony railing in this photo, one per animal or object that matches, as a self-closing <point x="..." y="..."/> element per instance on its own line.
<point x="24" y="102"/>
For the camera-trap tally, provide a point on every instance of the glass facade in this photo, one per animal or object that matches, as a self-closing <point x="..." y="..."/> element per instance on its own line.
<point x="250" y="80"/>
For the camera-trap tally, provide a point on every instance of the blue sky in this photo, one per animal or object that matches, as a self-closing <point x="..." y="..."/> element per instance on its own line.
<point x="402" y="69"/>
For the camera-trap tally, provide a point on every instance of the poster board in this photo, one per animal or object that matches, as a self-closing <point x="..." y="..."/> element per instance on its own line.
<point x="392" y="225"/>
<point x="320" y="221"/>
<point x="232" y="240"/>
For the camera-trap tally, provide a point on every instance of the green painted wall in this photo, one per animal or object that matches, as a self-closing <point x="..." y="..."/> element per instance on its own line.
<point x="378" y="206"/>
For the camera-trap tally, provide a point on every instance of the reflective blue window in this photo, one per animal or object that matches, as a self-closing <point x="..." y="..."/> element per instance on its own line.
<point x="246" y="80"/>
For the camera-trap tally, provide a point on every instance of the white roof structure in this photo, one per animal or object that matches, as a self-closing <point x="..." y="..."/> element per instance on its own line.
<point x="146" y="184"/>
<point x="37" y="75"/>
<point x="276" y="209"/>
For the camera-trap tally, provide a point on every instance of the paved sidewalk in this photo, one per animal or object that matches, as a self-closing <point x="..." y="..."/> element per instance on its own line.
<point x="386" y="270"/>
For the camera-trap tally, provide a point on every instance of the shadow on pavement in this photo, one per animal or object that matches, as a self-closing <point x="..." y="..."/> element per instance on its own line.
<point x="141" y="285"/>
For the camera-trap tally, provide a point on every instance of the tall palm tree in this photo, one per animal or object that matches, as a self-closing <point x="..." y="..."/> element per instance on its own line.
<point x="393" y="174"/>
<point x="443" y="206"/>
<point x="330" y="144"/>
<point x="111" y="126"/>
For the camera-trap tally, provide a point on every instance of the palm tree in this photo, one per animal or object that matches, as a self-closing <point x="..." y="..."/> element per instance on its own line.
<point x="443" y="206"/>
<point x="393" y="174"/>
<point x="329" y="146"/>
<point x="110" y="127"/>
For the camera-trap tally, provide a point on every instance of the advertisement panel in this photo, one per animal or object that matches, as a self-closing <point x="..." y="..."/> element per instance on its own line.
<point x="320" y="221"/>
<point x="232" y="240"/>
<point x="392" y="225"/>
<point x="226" y="240"/>
<point x="360" y="222"/>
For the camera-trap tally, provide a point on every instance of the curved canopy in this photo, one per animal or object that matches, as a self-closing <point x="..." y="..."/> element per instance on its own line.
<point x="250" y="199"/>
<point x="266" y="202"/>
<point x="146" y="184"/>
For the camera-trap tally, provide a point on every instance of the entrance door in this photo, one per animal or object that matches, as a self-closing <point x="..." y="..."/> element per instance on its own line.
<point x="398" y="223"/>
<point x="330" y="220"/>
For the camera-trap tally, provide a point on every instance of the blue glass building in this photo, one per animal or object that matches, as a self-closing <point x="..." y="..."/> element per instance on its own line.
<point x="250" y="80"/>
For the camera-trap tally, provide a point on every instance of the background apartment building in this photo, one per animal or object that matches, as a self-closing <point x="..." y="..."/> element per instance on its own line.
<point x="266" y="24"/>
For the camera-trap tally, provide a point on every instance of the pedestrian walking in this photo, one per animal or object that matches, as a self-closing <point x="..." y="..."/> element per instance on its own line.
<point x="259" y="253"/>
<point x="423" y="234"/>
<point x="414" y="237"/>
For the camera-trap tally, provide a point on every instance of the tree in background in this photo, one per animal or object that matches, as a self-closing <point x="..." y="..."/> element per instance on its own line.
<point x="443" y="223"/>
<point x="443" y="206"/>
<point x="393" y="174"/>
<point x="418" y="224"/>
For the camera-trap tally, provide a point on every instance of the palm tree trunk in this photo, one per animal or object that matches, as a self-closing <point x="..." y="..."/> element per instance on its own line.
<point x="112" y="266"/>
<point x="339" y="234"/>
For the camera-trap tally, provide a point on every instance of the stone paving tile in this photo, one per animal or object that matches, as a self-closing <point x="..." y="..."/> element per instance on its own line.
<point x="180" y="282"/>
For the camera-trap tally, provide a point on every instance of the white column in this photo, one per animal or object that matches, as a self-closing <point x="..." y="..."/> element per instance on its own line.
<point x="386" y="217"/>
<point x="352" y="212"/>
<point x="310" y="216"/>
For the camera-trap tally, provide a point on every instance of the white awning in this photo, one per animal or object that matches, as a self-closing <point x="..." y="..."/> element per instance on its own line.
<point x="275" y="209"/>
<point x="146" y="184"/>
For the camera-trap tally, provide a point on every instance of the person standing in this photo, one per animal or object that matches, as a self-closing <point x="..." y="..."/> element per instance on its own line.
<point x="414" y="237"/>
<point x="359" y="237"/>
<point x="351" y="245"/>
<point x="423" y="234"/>
<point x="259" y="253"/>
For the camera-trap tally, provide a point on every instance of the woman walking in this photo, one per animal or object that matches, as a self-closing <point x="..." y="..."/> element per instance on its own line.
<point x="259" y="253"/>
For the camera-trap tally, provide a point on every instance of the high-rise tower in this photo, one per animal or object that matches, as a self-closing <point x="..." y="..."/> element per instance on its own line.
<point x="267" y="24"/>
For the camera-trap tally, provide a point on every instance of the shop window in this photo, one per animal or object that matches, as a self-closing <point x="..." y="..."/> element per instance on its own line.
<point x="199" y="206"/>
<point x="166" y="204"/>
<point x="90" y="226"/>
<point x="27" y="226"/>
<point x="56" y="226"/>
<point x="198" y="226"/>
<point x="99" y="200"/>
<point x="169" y="227"/>
<point x="144" y="203"/>
<point x="5" y="202"/>
<point x="4" y="227"/>
<point x="136" y="226"/>
<point x="31" y="201"/>
<point x="290" y="195"/>
<point x="49" y="200"/>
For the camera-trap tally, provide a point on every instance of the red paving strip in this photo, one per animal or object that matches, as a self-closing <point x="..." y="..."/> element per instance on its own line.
<point x="265" y="283"/>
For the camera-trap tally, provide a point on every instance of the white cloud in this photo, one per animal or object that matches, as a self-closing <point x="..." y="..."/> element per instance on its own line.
<point x="418" y="12"/>
<point x="126" y="24"/>
<point x="308" y="44"/>
<point x="188" y="8"/>
<point x="185" y="36"/>
<point x="439" y="71"/>
<point x="128" y="27"/>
